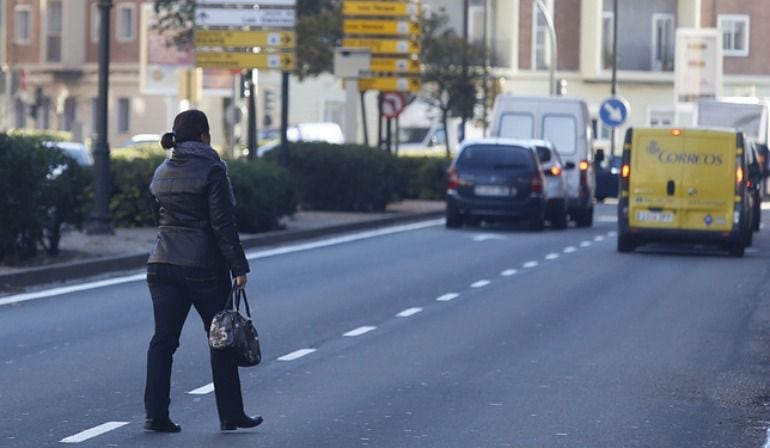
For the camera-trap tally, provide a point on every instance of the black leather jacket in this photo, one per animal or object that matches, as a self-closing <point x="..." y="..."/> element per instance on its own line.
<point x="194" y="209"/>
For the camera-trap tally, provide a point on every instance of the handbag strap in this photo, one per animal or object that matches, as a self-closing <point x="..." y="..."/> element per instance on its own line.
<point x="242" y="293"/>
<point x="234" y="301"/>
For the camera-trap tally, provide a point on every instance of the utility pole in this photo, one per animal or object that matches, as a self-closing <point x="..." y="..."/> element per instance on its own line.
<point x="251" y="138"/>
<point x="284" y="160"/>
<point x="614" y="88"/>
<point x="461" y="137"/>
<point x="99" y="222"/>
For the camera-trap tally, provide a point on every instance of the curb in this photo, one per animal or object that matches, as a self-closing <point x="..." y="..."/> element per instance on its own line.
<point x="89" y="268"/>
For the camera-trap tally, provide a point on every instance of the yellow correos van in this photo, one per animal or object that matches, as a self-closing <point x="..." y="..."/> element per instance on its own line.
<point x="684" y="184"/>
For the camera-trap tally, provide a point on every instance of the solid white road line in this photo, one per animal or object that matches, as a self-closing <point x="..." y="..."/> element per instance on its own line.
<point x="409" y="312"/>
<point x="552" y="256"/>
<point x="359" y="331"/>
<point x="530" y="264"/>
<point x="93" y="432"/>
<point x="570" y="249"/>
<point x="296" y="354"/>
<point x="480" y="284"/>
<point x="509" y="272"/>
<point x="342" y="239"/>
<point x="585" y="244"/>
<point x="250" y="255"/>
<point x="447" y="297"/>
<point x="203" y="390"/>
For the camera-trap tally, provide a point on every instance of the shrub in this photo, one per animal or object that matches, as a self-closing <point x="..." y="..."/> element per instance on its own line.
<point x="42" y="189"/>
<point x="264" y="194"/>
<point x="423" y="177"/>
<point x="341" y="177"/>
<point x="130" y="201"/>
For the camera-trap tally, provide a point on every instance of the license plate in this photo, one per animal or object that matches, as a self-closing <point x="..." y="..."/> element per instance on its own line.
<point x="647" y="216"/>
<point x="492" y="190"/>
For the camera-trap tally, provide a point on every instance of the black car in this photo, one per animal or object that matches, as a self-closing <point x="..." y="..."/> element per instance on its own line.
<point x="496" y="179"/>
<point x="607" y="178"/>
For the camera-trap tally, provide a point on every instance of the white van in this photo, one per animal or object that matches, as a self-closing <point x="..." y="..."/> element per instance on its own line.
<point x="566" y="123"/>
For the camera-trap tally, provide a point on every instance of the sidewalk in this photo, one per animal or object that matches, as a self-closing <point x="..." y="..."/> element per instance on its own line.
<point x="85" y="255"/>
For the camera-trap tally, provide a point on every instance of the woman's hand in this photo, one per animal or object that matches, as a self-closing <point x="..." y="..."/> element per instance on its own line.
<point x="240" y="281"/>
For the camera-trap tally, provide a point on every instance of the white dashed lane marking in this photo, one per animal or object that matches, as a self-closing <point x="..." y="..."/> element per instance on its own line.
<point x="480" y="284"/>
<point x="93" y="432"/>
<point x="447" y="297"/>
<point x="585" y="244"/>
<point x="509" y="272"/>
<point x="599" y="238"/>
<point x="552" y="256"/>
<point x="409" y="312"/>
<point x="570" y="249"/>
<point x="530" y="264"/>
<point x="296" y="354"/>
<point x="203" y="390"/>
<point x="612" y="234"/>
<point x="359" y="331"/>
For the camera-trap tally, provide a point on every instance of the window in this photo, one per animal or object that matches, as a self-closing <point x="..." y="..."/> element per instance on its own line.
<point x="561" y="130"/>
<point x="53" y="31"/>
<point x="22" y="17"/>
<point x="517" y="126"/>
<point x="663" y="42"/>
<point x="735" y="34"/>
<point x="124" y="115"/>
<point x="608" y="36"/>
<point x="125" y="23"/>
<point x="476" y="23"/>
<point x="95" y="22"/>
<point x="541" y="41"/>
<point x="495" y="157"/>
<point x="661" y="117"/>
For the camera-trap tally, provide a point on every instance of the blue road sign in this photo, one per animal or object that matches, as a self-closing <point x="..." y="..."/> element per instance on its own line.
<point x="614" y="111"/>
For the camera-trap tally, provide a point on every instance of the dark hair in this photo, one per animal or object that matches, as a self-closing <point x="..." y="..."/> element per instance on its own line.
<point x="188" y="127"/>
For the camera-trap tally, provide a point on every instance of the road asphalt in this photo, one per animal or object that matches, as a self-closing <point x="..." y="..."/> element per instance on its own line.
<point x="86" y="256"/>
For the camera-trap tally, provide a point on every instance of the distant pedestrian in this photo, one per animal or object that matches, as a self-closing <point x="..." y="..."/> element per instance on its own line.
<point x="196" y="252"/>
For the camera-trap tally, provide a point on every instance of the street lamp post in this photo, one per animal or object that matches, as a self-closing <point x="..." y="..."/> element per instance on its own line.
<point x="552" y="34"/>
<point x="99" y="222"/>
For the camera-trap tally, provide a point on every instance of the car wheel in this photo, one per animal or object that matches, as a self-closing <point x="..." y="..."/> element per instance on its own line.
<point x="736" y="248"/>
<point x="453" y="220"/>
<point x="757" y="215"/>
<point x="537" y="221"/>
<point x="585" y="217"/>
<point x="471" y="220"/>
<point x="626" y="243"/>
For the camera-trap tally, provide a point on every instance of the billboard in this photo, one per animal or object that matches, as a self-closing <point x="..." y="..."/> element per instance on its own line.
<point x="698" y="69"/>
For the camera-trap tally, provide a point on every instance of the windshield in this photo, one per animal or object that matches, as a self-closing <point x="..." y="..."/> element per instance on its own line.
<point x="412" y="135"/>
<point x="495" y="157"/>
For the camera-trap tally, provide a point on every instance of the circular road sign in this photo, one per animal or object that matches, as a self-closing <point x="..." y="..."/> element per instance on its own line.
<point x="614" y="111"/>
<point x="392" y="104"/>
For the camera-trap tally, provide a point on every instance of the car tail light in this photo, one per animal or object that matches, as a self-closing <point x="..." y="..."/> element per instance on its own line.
<point x="453" y="179"/>
<point x="554" y="171"/>
<point x="536" y="184"/>
<point x="626" y="171"/>
<point x="583" y="165"/>
<point x="738" y="175"/>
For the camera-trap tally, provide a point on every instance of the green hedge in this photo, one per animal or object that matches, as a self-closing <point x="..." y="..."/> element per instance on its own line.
<point x="130" y="200"/>
<point x="341" y="177"/>
<point x="423" y="177"/>
<point x="42" y="189"/>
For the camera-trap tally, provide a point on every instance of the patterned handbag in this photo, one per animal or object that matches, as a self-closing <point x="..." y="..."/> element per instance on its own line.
<point x="231" y="330"/>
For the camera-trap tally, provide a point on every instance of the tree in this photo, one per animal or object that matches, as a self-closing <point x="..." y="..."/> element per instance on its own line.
<point x="319" y="30"/>
<point x="452" y="70"/>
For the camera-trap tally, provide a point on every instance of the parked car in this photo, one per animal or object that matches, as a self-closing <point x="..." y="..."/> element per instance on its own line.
<point x="496" y="178"/>
<point x="141" y="140"/>
<point x="685" y="185"/>
<point x="607" y="177"/>
<point x="77" y="151"/>
<point x="556" y="183"/>
<point x="306" y="132"/>
<point x="566" y="123"/>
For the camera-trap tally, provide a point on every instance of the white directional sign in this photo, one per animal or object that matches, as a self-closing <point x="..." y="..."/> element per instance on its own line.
<point x="248" y="2"/>
<point x="280" y="18"/>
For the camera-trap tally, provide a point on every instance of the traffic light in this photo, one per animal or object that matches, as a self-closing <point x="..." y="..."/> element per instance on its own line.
<point x="561" y="87"/>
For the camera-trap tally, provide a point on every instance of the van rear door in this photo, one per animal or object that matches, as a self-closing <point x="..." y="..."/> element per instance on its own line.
<point x="708" y="180"/>
<point x="654" y="193"/>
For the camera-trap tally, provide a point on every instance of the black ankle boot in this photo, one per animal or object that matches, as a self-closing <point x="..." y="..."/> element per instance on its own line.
<point x="161" y="425"/>
<point x="244" y="421"/>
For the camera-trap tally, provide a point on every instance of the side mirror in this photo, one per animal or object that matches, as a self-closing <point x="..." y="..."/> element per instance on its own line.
<point x="569" y="166"/>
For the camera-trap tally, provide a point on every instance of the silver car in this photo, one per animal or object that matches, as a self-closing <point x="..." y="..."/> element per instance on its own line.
<point x="556" y="183"/>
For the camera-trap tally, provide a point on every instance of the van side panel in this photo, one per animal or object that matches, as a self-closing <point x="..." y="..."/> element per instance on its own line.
<point x="653" y="204"/>
<point x="708" y="181"/>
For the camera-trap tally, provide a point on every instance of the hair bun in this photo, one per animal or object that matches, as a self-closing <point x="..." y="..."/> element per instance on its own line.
<point x="168" y="140"/>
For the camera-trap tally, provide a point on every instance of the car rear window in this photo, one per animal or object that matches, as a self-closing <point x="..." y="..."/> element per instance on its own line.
<point x="495" y="157"/>
<point x="544" y="154"/>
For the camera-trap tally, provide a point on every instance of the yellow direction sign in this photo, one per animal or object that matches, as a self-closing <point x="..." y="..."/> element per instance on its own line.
<point x="380" y="8"/>
<point x="390" y="84"/>
<point x="232" y="60"/>
<point x="240" y="38"/>
<point x="381" y="27"/>
<point x="394" y="65"/>
<point x="384" y="46"/>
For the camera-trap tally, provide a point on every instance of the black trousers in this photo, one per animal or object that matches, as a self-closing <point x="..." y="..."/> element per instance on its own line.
<point x="174" y="289"/>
